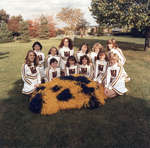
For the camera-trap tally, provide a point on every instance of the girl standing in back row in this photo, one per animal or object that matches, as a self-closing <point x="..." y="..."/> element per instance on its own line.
<point x="65" y="50"/>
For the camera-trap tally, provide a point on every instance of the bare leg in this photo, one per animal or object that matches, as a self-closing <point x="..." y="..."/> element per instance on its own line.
<point x="110" y="93"/>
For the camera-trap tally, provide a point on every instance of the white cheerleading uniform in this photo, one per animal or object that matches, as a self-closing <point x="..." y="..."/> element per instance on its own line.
<point x="79" y="54"/>
<point x="64" y="53"/>
<point x="31" y="77"/>
<point x="48" y="59"/>
<point x="115" y="79"/>
<point x="93" y="56"/>
<point x="71" y="70"/>
<point x="100" y="70"/>
<point x="41" y="57"/>
<point x="118" y="51"/>
<point x="52" y="73"/>
<point x="85" y="70"/>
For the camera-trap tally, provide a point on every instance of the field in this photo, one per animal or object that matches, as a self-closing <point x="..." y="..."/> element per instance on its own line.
<point x="124" y="122"/>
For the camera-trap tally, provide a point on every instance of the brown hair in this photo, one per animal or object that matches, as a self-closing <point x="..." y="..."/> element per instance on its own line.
<point x="87" y="58"/>
<point x="70" y="43"/>
<point x="101" y="53"/>
<point x="36" y="61"/>
<point x="86" y="46"/>
<point x="115" y="45"/>
<point x="72" y="58"/>
<point x="109" y="42"/>
<point x="49" y="52"/>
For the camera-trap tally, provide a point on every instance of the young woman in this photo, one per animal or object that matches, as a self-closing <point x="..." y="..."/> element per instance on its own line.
<point x="37" y="47"/>
<point x="53" y="70"/>
<point x="30" y="73"/>
<point x="52" y="53"/>
<point x="100" y="67"/>
<point x="97" y="47"/>
<point x="113" y="47"/>
<point x="83" y="50"/>
<point x="85" y="67"/>
<point x="71" y="66"/>
<point x="115" y="78"/>
<point x="65" y="50"/>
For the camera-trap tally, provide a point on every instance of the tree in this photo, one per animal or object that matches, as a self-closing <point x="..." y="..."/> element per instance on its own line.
<point x="71" y="17"/>
<point x="44" y="28"/>
<point x="5" y="34"/>
<point x="13" y="24"/>
<point x="24" y="32"/>
<point x="51" y="24"/>
<point x="33" y="28"/>
<point x="121" y="13"/>
<point x="3" y="16"/>
<point x="82" y="26"/>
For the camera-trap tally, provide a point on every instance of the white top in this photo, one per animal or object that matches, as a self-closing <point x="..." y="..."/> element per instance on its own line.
<point x="79" y="54"/>
<point x="118" y="51"/>
<point x="31" y="77"/>
<point x="115" y="79"/>
<point x="71" y="70"/>
<point x="85" y="70"/>
<point x="50" y="57"/>
<point x="100" y="70"/>
<point x="93" y="56"/>
<point x="64" y="53"/>
<point x="41" y="57"/>
<point x="52" y="73"/>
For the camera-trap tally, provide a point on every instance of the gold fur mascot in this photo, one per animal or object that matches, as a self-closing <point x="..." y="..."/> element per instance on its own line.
<point x="68" y="92"/>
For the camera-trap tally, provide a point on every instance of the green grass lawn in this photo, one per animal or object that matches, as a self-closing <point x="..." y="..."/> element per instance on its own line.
<point x="124" y="122"/>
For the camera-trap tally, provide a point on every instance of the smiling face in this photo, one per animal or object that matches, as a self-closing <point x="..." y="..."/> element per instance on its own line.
<point x="113" y="61"/>
<point x="66" y="42"/>
<point x="53" y="51"/>
<point x="102" y="56"/>
<point x="110" y="46"/>
<point x="71" y="62"/>
<point x="84" y="61"/>
<point x="54" y="64"/>
<point x="31" y="56"/>
<point x="84" y="48"/>
<point x="37" y="47"/>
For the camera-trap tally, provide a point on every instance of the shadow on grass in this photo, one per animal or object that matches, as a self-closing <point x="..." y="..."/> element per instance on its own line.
<point x="4" y="55"/>
<point x="121" y="123"/>
<point x="123" y="45"/>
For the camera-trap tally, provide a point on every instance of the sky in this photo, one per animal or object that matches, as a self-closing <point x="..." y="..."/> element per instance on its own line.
<point x="31" y="9"/>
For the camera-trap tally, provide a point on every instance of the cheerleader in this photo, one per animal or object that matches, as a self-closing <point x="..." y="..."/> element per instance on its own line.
<point x="113" y="47"/>
<point x="71" y="66"/>
<point x="100" y="67"/>
<point x="37" y="47"/>
<point x="52" y="53"/>
<point x="30" y="73"/>
<point x="115" y="78"/>
<point x="85" y="67"/>
<point x="65" y="50"/>
<point x="97" y="47"/>
<point x="53" y="70"/>
<point x="83" y="50"/>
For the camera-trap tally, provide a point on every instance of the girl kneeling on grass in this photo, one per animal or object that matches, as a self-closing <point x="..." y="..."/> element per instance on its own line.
<point x="100" y="67"/>
<point x="115" y="78"/>
<point x="30" y="73"/>
<point x="85" y="67"/>
<point x="53" y="53"/>
<point x="71" y="66"/>
<point x="53" y="70"/>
